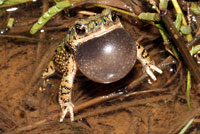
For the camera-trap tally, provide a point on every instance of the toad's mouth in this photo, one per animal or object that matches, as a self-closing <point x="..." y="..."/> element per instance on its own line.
<point x="104" y="30"/>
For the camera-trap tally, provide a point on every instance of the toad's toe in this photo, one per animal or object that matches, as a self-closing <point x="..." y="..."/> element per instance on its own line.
<point x="67" y="107"/>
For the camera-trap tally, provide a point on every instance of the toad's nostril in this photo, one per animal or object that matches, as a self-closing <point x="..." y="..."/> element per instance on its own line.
<point x="107" y="58"/>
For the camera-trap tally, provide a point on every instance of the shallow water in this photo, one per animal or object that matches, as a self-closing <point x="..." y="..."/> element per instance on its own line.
<point x="153" y="107"/>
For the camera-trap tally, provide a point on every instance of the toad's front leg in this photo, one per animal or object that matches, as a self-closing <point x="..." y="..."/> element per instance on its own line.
<point x="66" y="88"/>
<point x="148" y="64"/>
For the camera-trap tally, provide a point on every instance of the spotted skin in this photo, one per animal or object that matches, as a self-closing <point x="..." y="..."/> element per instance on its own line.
<point x="50" y="70"/>
<point x="64" y="61"/>
<point x="66" y="87"/>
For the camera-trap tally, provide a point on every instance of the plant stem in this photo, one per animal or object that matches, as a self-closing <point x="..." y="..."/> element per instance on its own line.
<point x="179" y="42"/>
<point x="178" y="10"/>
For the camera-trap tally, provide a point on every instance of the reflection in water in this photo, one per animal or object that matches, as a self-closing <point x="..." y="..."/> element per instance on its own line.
<point x="11" y="9"/>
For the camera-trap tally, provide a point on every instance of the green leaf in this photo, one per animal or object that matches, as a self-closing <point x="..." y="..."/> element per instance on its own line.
<point x="185" y="30"/>
<point x="195" y="8"/>
<point x="178" y="21"/>
<point x="163" y="4"/>
<point x="149" y="16"/>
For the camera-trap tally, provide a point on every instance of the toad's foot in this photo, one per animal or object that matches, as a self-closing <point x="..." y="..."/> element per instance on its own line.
<point x="67" y="107"/>
<point x="149" y="68"/>
<point x="50" y="70"/>
<point x="148" y="64"/>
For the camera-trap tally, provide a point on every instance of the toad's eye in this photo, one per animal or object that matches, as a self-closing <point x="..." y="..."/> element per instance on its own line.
<point x="80" y="29"/>
<point x="114" y="16"/>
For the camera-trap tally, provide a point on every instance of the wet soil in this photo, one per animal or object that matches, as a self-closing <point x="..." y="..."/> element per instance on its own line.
<point x="153" y="116"/>
<point x="148" y="108"/>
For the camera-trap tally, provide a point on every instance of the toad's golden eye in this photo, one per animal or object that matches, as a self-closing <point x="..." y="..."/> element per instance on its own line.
<point x="114" y="16"/>
<point x="80" y="29"/>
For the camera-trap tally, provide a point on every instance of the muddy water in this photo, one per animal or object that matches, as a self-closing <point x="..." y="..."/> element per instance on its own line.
<point x="38" y="112"/>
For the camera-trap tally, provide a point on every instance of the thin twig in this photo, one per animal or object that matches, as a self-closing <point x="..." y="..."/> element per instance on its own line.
<point x="18" y="30"/>
<point x="19" y="37"/>
<point x="124" y="105"/>
<point x="40" y="44"/>
<point x="193" y="42"/>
